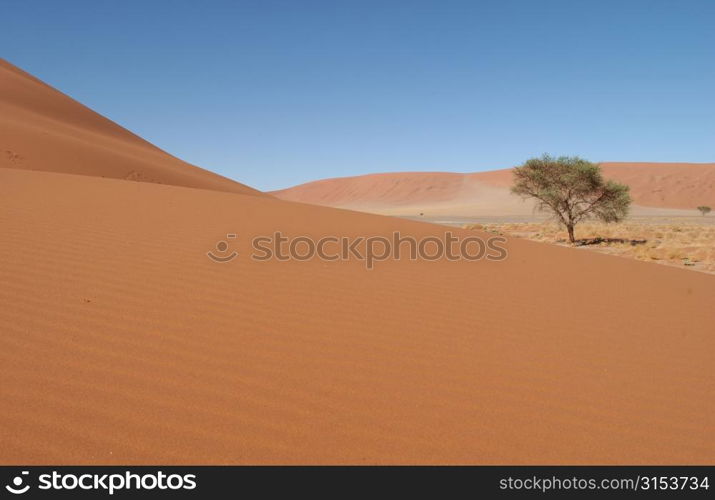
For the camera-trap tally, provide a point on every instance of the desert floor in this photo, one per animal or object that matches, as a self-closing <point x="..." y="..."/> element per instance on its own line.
<point x="685" y="241"/>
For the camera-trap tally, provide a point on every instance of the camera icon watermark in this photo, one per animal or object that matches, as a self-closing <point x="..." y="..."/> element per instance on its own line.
<point x="222" y="249"/>
<point x="16" y="487"/>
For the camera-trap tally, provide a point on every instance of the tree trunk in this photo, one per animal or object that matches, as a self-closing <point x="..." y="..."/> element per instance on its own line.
<point x="569" y="227"/>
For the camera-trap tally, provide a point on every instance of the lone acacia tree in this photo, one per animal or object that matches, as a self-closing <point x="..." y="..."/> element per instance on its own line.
<point x="704" y="210"/>
<point x="572" y="189"/>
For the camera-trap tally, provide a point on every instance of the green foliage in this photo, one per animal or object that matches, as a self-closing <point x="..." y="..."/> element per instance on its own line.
<point x="572" y="189"/>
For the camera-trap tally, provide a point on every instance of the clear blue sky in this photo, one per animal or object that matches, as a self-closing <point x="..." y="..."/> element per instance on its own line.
<point x="274" y="93"/>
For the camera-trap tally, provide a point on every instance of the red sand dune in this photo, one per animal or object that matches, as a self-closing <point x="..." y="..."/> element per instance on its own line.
<point x="672" y="185"/>
<point x="122" y="343"/>
<point x="660" y="185"/>
<point x="43" y="129"/>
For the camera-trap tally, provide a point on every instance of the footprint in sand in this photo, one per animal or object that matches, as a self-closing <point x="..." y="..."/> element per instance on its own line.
<point x="13" y="157"/>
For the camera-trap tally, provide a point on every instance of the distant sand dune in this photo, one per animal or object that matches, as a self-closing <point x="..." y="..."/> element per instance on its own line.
<point x="672" y="185"/>
<point x="653" y="185"/>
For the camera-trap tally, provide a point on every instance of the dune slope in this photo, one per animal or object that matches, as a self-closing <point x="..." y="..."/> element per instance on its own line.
<point x="43" y="129"/>
<point x="121" y="342"/>
<point x="658" y="185"/>
<point x="671" y="185"/>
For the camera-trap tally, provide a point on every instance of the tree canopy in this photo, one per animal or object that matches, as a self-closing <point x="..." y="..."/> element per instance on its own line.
<point x="571" y="189"/>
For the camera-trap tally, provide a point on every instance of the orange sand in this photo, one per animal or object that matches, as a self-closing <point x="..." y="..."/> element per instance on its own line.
<point x="121" y="342"/>
<point x="657" y="185"/>
<point x="43" y="129"/>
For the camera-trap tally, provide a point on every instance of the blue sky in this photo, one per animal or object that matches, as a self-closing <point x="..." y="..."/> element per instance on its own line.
<point x="275" y="93"/>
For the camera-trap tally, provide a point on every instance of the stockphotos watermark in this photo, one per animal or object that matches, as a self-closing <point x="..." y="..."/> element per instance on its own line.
<point x="106" y="483"/>
<point x="367" y="249"/>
